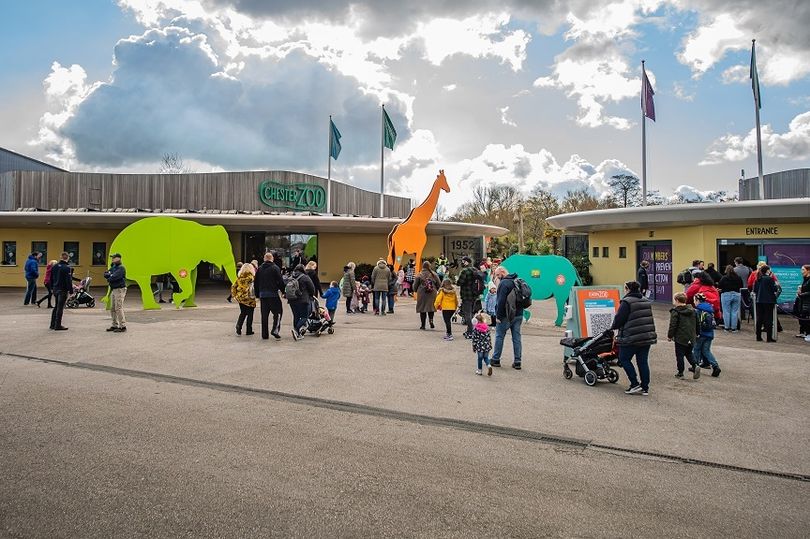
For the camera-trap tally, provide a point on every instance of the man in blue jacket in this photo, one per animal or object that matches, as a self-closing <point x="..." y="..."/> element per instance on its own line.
<point x="509" y="317"/>
<point x="31" y="276"/>
<point x="117" y="277"/>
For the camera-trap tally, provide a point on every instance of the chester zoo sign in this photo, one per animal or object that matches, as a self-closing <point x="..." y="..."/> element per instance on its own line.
<point x="293" y="196"/>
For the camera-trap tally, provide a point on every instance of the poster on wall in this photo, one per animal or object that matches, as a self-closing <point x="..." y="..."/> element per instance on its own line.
<point x="456" y="247"/>
<point x="660" y="271"/>
<point x="597" y="307"/>
<point x="786" y="262"/>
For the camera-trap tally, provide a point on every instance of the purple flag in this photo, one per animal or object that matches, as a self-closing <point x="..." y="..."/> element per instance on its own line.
<point x="647" y="105"/>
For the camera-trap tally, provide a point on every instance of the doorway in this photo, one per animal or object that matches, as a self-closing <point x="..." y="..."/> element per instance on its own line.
<point x="728" y="250"/>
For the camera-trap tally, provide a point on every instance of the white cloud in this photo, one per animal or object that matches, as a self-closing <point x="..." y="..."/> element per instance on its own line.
<point x="794" y="144"/>
<point x="449" y="87"/>
<point x="505" y="120"/>
<point x="687" y="194"/>
<point x="736" y="74"/>
<point x="706" y="45"/>
<point x="680" y="91"/>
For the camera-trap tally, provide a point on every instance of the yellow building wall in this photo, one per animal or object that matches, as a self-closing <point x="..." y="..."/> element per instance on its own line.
<point x="688" y="243"/>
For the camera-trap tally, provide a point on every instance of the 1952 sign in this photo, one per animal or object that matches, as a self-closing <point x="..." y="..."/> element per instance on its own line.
<point x="294" y="196"/>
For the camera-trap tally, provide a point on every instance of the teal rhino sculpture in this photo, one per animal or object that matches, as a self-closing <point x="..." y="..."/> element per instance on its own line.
<point x="548" y="276"/>
<point x="158" y="245"/>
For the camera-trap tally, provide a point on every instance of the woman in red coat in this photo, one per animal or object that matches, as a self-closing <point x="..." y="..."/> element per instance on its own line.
<point x="703" y="283"/>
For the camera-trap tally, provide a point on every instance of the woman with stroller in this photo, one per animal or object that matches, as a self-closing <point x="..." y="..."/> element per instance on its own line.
<point x="47" y="283"/>
<point x="311" y="269"/>
<point x="426" y="285"/>
<point x="635" y="328"/>
<point x="242" y="292"/>
<point x="299" y="291"/>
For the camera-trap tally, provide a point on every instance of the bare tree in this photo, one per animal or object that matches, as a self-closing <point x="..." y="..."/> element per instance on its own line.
<point x="626" y="189"/>
<point x="441" y="213"/>
<point x="172" y="163"/>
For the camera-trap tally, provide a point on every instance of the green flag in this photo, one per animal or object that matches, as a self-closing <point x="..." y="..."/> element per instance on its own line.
<point x="334" y="140"/>
<point x="389" y="133"/>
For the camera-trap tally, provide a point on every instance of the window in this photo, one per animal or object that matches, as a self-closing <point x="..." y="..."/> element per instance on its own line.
<point x="596" y="252"/>
<point x="41" y="247"/>
<point x="72" y="249"/>
<point x="605" y="252"/>
<point x="622" y="252"/>
<point x="99" y="253"/>
<point x="9" y="253"/>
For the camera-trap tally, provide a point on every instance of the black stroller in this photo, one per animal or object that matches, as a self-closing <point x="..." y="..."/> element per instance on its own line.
<point x="592" y="358"/>
<point x="318" y="320"/>
<point x="80" y="295"/>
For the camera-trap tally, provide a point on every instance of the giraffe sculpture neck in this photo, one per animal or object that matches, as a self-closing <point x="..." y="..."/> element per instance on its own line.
<point x="423" y="212"/>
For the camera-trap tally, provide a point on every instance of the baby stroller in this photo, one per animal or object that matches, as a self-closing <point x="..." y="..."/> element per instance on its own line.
<point x="79" y="296"/>
<point x="592" y="358"/>
<point x="458" y="317"/>
<point x="318" y="320"/>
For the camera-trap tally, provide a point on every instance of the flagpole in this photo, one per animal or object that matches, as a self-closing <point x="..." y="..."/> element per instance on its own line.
<point x="757" y="101"/>
<point x="643" y="145"/>
<point x="329" y="170"/>
<point x="382" y="161"/>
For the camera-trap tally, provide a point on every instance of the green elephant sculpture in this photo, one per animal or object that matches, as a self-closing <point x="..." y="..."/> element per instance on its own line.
<point x="548" y="276"/>
<point x="158" y="245"/>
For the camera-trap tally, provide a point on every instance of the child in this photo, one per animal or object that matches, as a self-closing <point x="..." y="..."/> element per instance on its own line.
<point x="332" y="296"/>
<point x="705" y="329"/>
<point x="682" y="331"/>
<point x="447" y="303"/>
<point x="482" y="343"/>
<point x="492" y="299"/>
<point x="400" y="282"/>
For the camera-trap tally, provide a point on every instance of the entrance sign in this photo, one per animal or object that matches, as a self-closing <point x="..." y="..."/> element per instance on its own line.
<point x="293" y="196"/>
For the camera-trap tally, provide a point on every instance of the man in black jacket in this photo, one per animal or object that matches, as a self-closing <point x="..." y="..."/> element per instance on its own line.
<point x="300" y="304"/>
<point x="643" y="277"/>
<point x="267" y="284"/>
<point x="117" y="278"/>
<point x="62" y="283"/>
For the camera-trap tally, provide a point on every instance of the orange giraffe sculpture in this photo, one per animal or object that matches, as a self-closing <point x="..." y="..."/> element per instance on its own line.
<point x="409" y="236"/>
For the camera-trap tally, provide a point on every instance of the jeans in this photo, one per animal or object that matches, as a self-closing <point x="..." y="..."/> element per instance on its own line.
<point x="448" y="316"/>
<point x="391" y="300"/>
<point x="245" y="314"/>
<point x="467" y="313"/>
<point x="270" y="305"/>
<point x="379" y="301"/>
<point x="500" y="333"/>
<point x="30" y="291"/>
<point x="60" y="297"/>
<point x="730" y="302"/>
<point x="300" y="311"/>
<point x="683" y="351"/>
<point x="482" y="358"/>
<point x="703" y="350"/>
<point x="642" y="353"/>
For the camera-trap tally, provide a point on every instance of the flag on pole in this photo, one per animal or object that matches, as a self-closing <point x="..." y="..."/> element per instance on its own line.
<point x="754" y="76"/>
<point x="334" y="140"/>
<point x="389" y="133"/>
<point x="647" y="104"/>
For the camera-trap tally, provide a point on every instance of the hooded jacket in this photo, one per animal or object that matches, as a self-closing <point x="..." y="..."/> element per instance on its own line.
<point x="682" y="324"/>
<point x="380" y="276"/>
<point x="712" y="296"/>
<point x="31" y="267"/>
<point x="268" y="281"/>
<point x="703" y="307"/>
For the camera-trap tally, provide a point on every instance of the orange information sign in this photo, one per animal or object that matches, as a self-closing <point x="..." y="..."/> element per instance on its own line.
<point x="597" y="307"/>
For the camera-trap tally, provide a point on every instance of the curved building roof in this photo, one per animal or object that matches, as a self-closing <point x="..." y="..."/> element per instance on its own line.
<point x="788" y="210"/>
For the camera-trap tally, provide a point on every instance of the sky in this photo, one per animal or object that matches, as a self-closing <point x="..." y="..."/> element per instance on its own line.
<point x="533" y="93"/>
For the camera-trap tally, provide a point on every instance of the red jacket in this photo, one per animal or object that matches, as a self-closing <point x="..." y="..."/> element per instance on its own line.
<point x="753" y="279"/>
<point x="48" y="269"/>
<point x="712" y="296"/>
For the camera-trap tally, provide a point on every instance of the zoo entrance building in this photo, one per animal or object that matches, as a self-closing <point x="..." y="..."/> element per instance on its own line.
<point x="50" y="210"/>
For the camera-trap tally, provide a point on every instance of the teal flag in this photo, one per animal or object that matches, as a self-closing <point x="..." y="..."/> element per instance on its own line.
<point x="389" y="133"/>
<point x="754" y="76"/>
<point x="334" y="140"/>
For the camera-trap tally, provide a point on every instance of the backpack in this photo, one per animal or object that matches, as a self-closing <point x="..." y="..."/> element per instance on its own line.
<point x="706" y="322"/>
<point x="685" y="277"/>
<point x="523" y="294"/>
<point x="478" y="283"/>
<point x="293" y="289"/>
<point x="429" y="286"/>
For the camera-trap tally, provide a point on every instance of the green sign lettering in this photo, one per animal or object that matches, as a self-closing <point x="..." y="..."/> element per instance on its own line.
<point x="294" y="196"/>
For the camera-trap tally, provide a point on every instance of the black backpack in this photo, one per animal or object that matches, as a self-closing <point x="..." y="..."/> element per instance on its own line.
<point x="523" y="294"/>
<point x="685" y="277"/>
<point x="478" y="283"/>
<point x="706" y="322"/>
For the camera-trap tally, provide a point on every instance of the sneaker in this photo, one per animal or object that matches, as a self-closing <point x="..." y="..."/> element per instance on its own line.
<point x="645" y="392"/>
<point x="800" y="336"/>
<point x="678" y="375"/>
<point x="120" y="330"/>
<point x="389" y="312"/>
<point x="807" y="339"/>
<point x="467" y="335"/>
<point x="705" y="365"/>
<point x="716" y="372"/>
<point x="516" y="366"/>
<point x="632" y="390"/>
<point x="489" y="370"/>
<point x="112" y="328"/>
<point x="695" y="372"/>
<point x="448" y="338"/>
<point x="495" y="363"/>
<point x="61" y="328"/>
<point x="295" y="335"/>
<point x="478" y="372"/>
<point x="276" y="336"/>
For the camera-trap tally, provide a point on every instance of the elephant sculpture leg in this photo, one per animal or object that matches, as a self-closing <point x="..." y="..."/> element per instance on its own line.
<point x="186" y="289"/>
<point x="560" y="299"/>
<point x="145" y="284"/>
<point x="190" y="301"/>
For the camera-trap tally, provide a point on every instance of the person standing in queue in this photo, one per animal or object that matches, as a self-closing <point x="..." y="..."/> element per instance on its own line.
<point x="425" y="286"/>
<point x="380" y="277"/>
<point x="62" y="284"/>
<point x="267" y="285"/>
<point x="117" y="278"/>
<point x="643" y="278"/>
<point x="299" y="291"/>
<point x="766" y="290"/>
<point x="635" y="328"/>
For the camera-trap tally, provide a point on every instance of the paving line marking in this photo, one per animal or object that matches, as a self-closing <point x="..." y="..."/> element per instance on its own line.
<point x="420" y="419"/>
